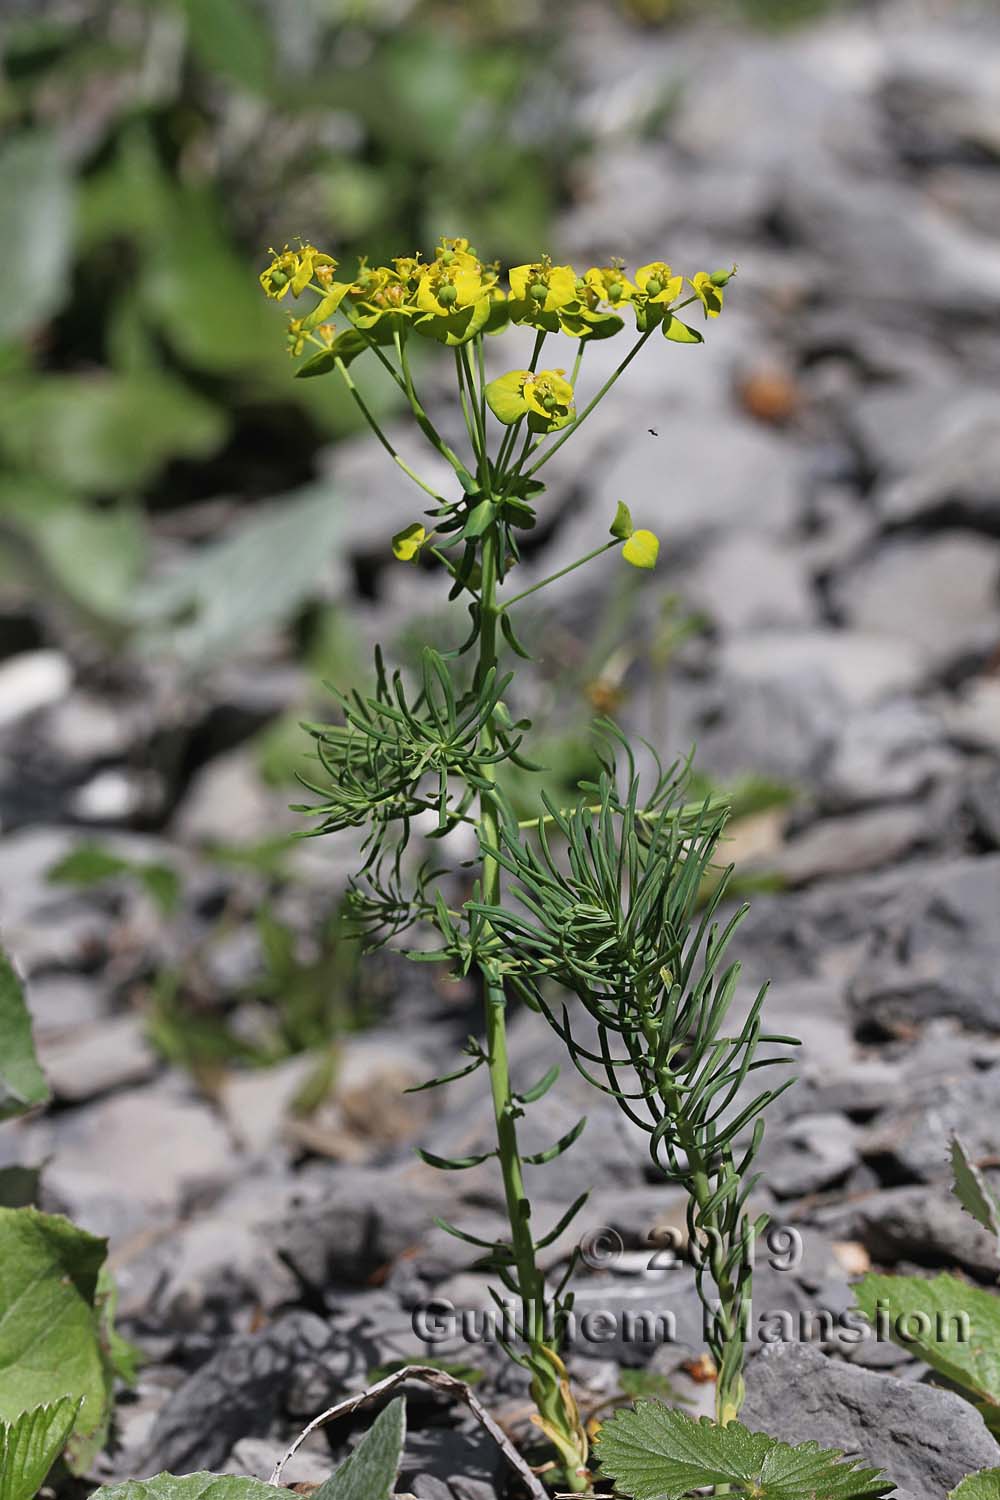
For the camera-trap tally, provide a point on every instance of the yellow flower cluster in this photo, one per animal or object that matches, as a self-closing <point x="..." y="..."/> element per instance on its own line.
<point x="456" y="296"/>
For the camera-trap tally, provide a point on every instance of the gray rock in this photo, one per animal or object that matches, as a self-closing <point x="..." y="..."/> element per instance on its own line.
<point x="32" y="681"/>
<point x="910" y="1140"/>
<point x="708" y="485"/>
<point x="887" y="244"/>
<point x="135" y="1157"/>
<point x="890" y="752"/>
<point x="353" y="1221"/>
<point x="808" y="1153"/>
<point x="940" y="592"/>
<point x="746" y="582"/>
<point x="956" y="479"/>
<point x="256" y="1457"/>
<point x="922" y="1224"/>
<point x="861" y="668"/>
<point x="445" y="1464"/>
<point x="926" y="1439"/>
<point x="848" y="845"/>
<point x="236" y="1394"/>
<point x="89" y="1061"/>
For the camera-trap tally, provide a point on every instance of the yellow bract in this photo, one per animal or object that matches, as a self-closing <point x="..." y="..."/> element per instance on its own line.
<point x="642" y="549"/>
<point x="406" y="544"/>
<point x="709" y="293"/>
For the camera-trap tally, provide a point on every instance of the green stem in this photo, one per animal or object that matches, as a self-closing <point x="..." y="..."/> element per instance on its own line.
<point x="568" y="432"/>
<point x="548" y="1390"/>
<point x="570" y="568"/>
<point x="345" y="375"/>
<point x="729" y="1384"/>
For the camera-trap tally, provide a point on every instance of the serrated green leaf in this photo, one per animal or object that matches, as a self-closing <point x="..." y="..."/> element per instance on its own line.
<point x="22" y="1082"/>
<point x="30" y="1445"/>
<point x="982" y="1486"/>
<point x="900" y="1307"/>
<point x="50" y="1326"/>
<point x="621" y="527"/>
<point x="199" y="1486"/>
<point x="371" y="1471"/>
<point x="971" y="1190"/>
<point x="654" y="1452"/>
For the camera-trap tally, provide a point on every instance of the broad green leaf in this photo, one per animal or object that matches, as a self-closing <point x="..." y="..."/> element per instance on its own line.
<point x="199" y="1486"/>
<point x="679" y="333"/>
<point x="36" y="210"/>
<point x="971" y="1189"/>
<point x="91" y="864"/>
<point x="22" y="1082"/>
<point x="982" y="1486"/>
<point x="655" y="1452"/>
<point x="406" y="544"/>
<point x="371" y="1471"/>
<point x="641" y="550"/>
<point x="504" y="398"/>
<point x="953" y="1326"/>
<point x="621" y="527"/>
<point x="228" y="37"/>
<point x="30" y="1445"/>
<point x="104" y="434"/>
<point x="19" y="1186"/>
<point x="50" y="1331"/>
<point x="233" y="589"/>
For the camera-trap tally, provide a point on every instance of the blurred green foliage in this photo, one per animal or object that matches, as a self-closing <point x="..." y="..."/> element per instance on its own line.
<point x="152" y="149"/>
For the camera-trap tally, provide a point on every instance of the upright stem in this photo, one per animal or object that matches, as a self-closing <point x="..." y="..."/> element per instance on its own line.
<point x="729" y="1385"/>
<point x="549" y="1387"/>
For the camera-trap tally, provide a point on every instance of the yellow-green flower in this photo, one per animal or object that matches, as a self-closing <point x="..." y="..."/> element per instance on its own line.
<point x="608" y="284"/>
<point x="709" y="291"/>
<point x="658" y="283"/>
<point x="543" y="396"/>
<point x="292" y="270"/>
<point x="539" y="292"/>
<point x="380" y="291"/>
<point x="448" y="287"/>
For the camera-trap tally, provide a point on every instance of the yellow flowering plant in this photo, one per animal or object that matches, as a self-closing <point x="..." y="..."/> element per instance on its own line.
<point x="611" y="918"/>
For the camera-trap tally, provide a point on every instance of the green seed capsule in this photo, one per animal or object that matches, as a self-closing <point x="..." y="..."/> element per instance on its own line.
<point x="549" y="402"/>
<point x="615" y="290"/>
<point x="279" y="278"/>
<point x="538" y="290"/>
<point x="447" y="294"/>
<point x="446" y="257"/>
<point x="654" y="286"/>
